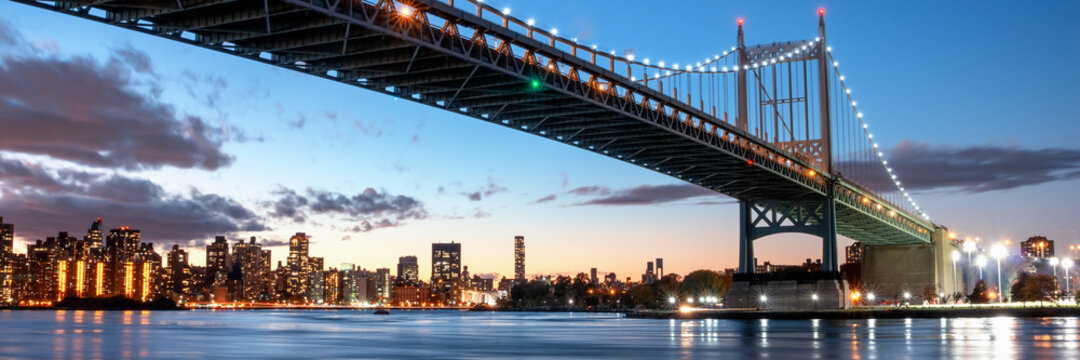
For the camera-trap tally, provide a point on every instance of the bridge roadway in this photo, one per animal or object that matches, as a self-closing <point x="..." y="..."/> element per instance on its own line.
<point x="498" y="69"/>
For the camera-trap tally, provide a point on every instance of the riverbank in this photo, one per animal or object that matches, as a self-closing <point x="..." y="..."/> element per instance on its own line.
<point x="864" y="313"/>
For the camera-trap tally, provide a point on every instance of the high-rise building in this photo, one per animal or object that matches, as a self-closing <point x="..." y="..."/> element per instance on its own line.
<point x="382" y="285"/>
<point x="298" y="266"/>
<point x="179" y="272"/>
<point x="1037" y="247"/>
<point x="854" y="253"/>
<point x="408" y="269"/>
<point x="445" y="267"/>
<point x="659" y="268"/>
<point x="650" y="275"/>
<point x="94" y="235"/>
<point x="519" y="259"/>
<point x="217" y="264"/>
<point x="254" y="269"/>
<point x="7" y="262"/>
<point x="592" y="277"/>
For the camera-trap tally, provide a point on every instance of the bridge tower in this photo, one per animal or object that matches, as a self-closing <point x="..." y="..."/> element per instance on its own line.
<point x="761" y="217"/>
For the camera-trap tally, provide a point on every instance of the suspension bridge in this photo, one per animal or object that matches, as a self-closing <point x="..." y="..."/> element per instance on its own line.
<point x="772" y="125"/>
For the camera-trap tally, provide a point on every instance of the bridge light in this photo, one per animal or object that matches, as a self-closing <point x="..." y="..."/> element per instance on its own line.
<point x="865" y="200"/>
<point x="630" y="57"/>
<point x="812" y="172"/>
<point x="405" y="10"/>
<point x="829" y="49"/>
<point x="531" y="22"/>
<point x="813" y="297"/>
<point x="554" y="32"/>
<point x="506" y="11"/>
<point x="535" y="84"/>
<point x="764" y="298"/>
<point x="749" y="162"/>
<point x="841" y="77"/>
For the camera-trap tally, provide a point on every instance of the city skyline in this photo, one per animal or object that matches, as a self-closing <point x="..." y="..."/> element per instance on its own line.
<point x="372" y="181"/>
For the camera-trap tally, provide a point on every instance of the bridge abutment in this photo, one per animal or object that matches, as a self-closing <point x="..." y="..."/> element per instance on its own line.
<point x="890" y="271"/>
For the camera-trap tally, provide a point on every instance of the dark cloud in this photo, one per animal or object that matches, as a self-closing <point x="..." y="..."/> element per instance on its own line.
<point x="589" y="190"/>
<point x="138" y="60"/>
<point x="488" y="190"/>
<point x="652" y="194"/>
<point x="99" y="114"/>
<point x="42" y="201"/>
<point x="639" y="195"/>
<point x="545" y="199"/>
<point x="274" y="242"/>
<point x="8" y="35"/>
<point x="981" y="168"/>
<point x="370" y="209"/>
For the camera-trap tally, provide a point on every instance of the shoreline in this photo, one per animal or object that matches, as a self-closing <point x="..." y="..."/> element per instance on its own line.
<point x="862" y="313"/>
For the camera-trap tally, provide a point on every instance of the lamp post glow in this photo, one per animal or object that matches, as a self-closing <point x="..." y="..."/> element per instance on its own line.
<point x="1066" y="264"/>
<point x="981" y="262"/>
<point x="1053" y="264"/>
<point x="955" y="283"/>
<point x="998" y="252"/>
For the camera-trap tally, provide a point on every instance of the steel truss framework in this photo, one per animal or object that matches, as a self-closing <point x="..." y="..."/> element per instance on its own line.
<point x="444" y="57"/>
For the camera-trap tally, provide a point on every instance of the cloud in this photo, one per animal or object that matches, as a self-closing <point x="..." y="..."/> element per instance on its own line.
<point x="8" y="35"/>
<point x="652" y="194"/>
<point x="43" y="201"/>
<point x="488" y="190"/>
<point x="370" y="209"/>
<point x="981" y="168"/>
<point x="100" y="114"/>
<point x="545" y="199"/>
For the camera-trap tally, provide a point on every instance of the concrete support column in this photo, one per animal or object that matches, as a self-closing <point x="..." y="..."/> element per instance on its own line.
<point x="746" y="244"/>
<point x="829" y="262"/>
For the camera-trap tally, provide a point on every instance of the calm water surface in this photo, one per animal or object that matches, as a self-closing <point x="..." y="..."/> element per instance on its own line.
<point x="280" y="334"/>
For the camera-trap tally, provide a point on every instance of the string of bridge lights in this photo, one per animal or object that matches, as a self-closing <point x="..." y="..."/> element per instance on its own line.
<point x="870" y="136"/>
<point x="708" y="63"/>
<point x="629" y="59"/>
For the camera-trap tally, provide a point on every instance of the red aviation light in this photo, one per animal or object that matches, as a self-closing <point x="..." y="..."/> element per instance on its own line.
<point x="821" y="11"/>
<point x="749" y="162"/>
<point x="740" y="21"/>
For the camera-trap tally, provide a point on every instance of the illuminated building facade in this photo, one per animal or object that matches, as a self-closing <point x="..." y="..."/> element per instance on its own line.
<point x="446" y="270"/>
<point x="298" y="265"/>
<point x="1037" y="247"/>
<point x="7" y="262"/>
<point x="519" y="259"/>
<point x="408" y="268"/>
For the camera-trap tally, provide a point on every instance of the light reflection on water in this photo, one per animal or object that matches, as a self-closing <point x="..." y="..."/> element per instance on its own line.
<point x="440" y="334"/>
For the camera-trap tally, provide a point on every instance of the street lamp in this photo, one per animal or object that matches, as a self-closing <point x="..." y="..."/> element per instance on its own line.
<point x="1067" y="264"/>
<point x="998" y="252"/>
<point x="955" y="258"/>
<point x="981" y="262"/>
<point x="671" y="300"/>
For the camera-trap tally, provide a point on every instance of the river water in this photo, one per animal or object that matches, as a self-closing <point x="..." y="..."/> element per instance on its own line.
<point x="321" y="334"/>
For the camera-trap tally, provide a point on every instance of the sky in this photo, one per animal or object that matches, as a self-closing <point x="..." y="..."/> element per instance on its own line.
<point x="974" y="101"/>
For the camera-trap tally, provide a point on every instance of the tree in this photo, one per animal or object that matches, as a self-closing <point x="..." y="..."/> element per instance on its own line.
<point x="705" y="282"/>
<point x="1039" y="287"/>
<point x="979" y="294"/>
<point x="1016" y="291"/>
<point x="642" y="296"/>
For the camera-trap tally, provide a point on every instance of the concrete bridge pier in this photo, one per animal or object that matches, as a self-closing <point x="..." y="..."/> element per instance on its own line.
<point x="826" y="289"/>
<point x="889" y="271"/>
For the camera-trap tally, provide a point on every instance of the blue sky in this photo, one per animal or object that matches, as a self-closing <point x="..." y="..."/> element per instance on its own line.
<point x="990" y="81"/>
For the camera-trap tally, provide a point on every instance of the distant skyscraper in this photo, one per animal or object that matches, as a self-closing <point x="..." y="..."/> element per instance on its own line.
<point x="519" y="259"/>
<point x="179" y="272"/>
<point x="297" y="265"/>
<point x="254" y="269"/>
<point x="7" y="260"/>
<point x="592" y="277"/>
<point x="1037" y="247"/>
<point x="382" y="284"/>
<point x="408" y="269"/>
<point x="649" y="276"/>
<point x="659" y="268"/>
<point x="217" y="262"/>
<point x="445" y="266"/>
<point x="94" y="235"/>
<point x="854" y="253"/>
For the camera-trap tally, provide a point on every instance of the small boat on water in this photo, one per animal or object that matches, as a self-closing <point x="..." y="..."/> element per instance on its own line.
<point x="382" y="312"/>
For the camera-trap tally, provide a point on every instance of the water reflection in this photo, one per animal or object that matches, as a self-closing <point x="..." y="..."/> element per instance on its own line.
<point x="433" y="334"/>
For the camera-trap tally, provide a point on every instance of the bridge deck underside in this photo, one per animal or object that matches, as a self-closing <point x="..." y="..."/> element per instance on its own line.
<point x="477" y="82"/>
